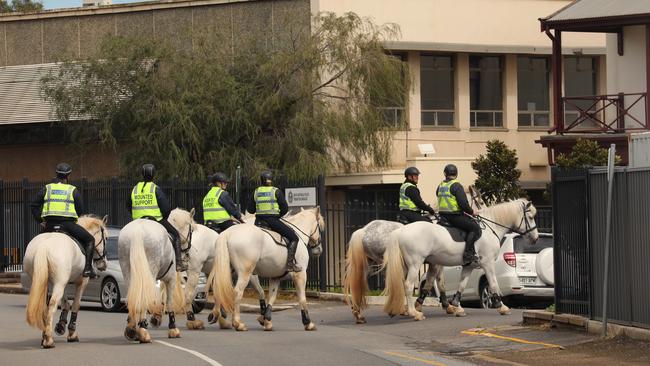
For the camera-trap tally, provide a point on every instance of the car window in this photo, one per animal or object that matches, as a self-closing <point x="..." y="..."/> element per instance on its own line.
<point x="111" y="249"/>
<point x="522" y="245"/>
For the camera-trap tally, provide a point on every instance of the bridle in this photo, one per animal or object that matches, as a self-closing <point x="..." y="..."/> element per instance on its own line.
<point x="311" y="244"/>
<point x="188" y="240"/>
<point x="524" y="221"/>
<point x="101" y="256"/>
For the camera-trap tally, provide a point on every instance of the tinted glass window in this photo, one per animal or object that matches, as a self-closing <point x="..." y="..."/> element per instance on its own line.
<point x="485" y="89"/>
<point x="111" y="249"/>
<point x="522" y="245"/>
<point x="437" y="90"/>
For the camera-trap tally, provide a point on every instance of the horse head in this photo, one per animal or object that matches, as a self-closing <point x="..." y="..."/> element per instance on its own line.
<point x="97" y="228"/>
<point x="527" y="226"/>
<point x="183" y="221"/>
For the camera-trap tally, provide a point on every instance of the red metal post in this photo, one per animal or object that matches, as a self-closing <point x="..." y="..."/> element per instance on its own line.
<point x="556" y="72"/>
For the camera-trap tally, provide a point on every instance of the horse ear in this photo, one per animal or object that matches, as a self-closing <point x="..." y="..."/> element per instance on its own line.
<point x="192" y="212"/>
<point x="105" y="219"/>
<point x="317" y="210"/>
<point x="302" y="209"/>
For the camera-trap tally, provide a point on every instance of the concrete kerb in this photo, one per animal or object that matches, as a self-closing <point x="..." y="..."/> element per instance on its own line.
<point x="372" y="300"/>
<point x="532" y="317"/>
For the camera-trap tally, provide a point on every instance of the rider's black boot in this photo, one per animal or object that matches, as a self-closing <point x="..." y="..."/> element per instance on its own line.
<point x="292" y="266"/>
<point x="180" y="265"/>
<point x="469" y="256"/>
<point x="89" y="271"/>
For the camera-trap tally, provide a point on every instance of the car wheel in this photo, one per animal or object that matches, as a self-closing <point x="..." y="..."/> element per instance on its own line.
<point x="484" y="292"/>
<point x="109" y="295"/>
<point x="197" y="307"/>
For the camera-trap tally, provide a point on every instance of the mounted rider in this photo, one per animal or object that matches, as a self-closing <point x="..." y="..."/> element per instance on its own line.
<point x="149" y="201"/>
<point x="269" y="205"/>
<point x="411" y="204"/>
<point x="454" y="207"/>
<point x="59" y="205"/>
<point x="218" y="206"/>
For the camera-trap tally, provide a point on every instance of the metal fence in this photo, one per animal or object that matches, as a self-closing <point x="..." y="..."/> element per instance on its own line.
<point x="580" y="214"/>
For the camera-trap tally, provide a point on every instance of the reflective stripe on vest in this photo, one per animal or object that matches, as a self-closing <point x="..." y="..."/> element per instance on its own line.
<point x="59" y="201"/>
<point x="144" y="201"/>
<point x="265" y="202"/>
<point x="212" y="210"/>
<point x="446" y="201"/>
<point x="405" y="203"/>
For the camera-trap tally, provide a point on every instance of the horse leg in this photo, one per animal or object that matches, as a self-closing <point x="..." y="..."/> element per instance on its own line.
<point x="255" y="281"/>
<point x="409" y="282"/>
<point x="190" y="289"/>
<point x="442" y="290"/>
<point x="242" y="281"/>
<point x="266" y="313"/>
<point x="173" y="332"/>
<point x="76" y="305"/>
<point x="464" y="278"/>
<point x="423" y="292"/>
<point x="57" y="292"/>
<point x="63" y="319"/>
<point x="218" y="314"/>
<point x="494" y="288"/>
<point x="300" y="280"/>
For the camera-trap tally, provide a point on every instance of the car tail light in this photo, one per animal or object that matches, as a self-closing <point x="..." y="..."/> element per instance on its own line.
<point x="510" y="258"/>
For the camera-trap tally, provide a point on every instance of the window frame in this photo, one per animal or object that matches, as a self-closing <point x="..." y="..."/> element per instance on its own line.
<point x="531" y="125"/>
<point x="473" y="113"/>
<point x="453" y="69"/>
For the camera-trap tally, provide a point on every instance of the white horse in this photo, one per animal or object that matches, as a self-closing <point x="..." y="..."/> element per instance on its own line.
<point x="369" y="243"/>
<point x="418" y="242"/>
<point x="250" y="250"/>
<point x="146" y="254"/>
<point x="200" y="254"/>
<point x="55" y="258"/>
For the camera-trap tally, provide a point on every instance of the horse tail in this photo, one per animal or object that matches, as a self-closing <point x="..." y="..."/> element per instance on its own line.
<point x="178" y="296"/>
<point x="220" y="276"/>
<point x="355" y="283"/>
<point x="394" y="265"/>
<point x="142" y="293"/>
<point x="37" y="302"/>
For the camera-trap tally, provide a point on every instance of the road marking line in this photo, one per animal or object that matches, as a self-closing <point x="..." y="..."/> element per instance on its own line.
<point x="415" y="358"/>
<point x="512" y="339"/>
<point x="195" y="353"/>
<point x="497" y="360"/>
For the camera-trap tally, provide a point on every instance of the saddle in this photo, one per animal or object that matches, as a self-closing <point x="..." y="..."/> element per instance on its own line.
<point x="59" y="229"/>
<point x="456" y="233"/>
<point x="277" y="238"/>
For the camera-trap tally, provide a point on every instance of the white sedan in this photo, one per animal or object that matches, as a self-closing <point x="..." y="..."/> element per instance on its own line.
<point x="524" y="273"/>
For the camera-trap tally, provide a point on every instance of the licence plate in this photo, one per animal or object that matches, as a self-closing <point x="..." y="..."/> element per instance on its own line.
<point x="527" y="280"/>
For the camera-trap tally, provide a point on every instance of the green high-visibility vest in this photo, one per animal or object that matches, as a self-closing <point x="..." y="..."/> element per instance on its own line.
<point x="265" y="202"/>
<point x="446" y="201"/>
<point x="59" y="201"/>
<point x="405" y="203"/>
<point x="212" y="210"/>
<point x="144" y="201"/>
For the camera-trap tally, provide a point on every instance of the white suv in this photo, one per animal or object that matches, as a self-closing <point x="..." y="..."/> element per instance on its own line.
<point x="524" y="272"/>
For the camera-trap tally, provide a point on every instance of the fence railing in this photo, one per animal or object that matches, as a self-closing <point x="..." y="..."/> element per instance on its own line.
<point x="605" y="113"/>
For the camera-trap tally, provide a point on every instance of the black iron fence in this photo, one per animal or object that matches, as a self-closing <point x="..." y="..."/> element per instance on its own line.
<point x="580" y="201"/>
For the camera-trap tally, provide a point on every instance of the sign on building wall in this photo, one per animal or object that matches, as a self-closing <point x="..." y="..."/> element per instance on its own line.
<point x="301" y="196"/>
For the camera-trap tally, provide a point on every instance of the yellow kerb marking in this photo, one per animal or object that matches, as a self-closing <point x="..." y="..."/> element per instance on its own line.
<point x="430" y="362"/>
<point x="512" y="339"/>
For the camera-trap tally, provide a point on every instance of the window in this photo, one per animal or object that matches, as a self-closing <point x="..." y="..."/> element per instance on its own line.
<point x="394" y="114"/>
<point x="533" y="100"/>
<point x="579" y="81"/>
<point x="437" y="90"/>
<point x="485" y="91"/>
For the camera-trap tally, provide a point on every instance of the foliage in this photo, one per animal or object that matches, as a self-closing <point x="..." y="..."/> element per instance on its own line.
<point x="304" y="105"/>
<point x="498" y="176"/>
<point x="24" y="6"/>
<point x="585" y="153"/>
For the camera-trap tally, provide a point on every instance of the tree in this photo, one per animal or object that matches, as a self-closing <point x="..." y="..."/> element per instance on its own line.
<point x="306" y="105"/>
<point x="498" y="176"/>
<point x="24" y="6"/>
<point x="585" y="153"/>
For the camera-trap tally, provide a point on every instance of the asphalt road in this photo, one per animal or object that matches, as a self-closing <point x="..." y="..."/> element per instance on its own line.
<point x="439" y="340"/>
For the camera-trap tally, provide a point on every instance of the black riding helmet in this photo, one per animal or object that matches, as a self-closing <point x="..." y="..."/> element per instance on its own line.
<point x="220" y="177"/>
<point x="148" y="171"/>
<point x="63" y="170"/>
<point x="451" y="170"/>
<point x="411" y="171"/>
<point x="266" y="178"/>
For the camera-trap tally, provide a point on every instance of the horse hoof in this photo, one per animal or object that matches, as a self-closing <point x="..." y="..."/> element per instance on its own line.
<point x="268" y="325"/>
<point x="211" y="318"/>
<point x="60" y="328"/>
<point x="143" y="336"/>
<point x="451" y="309"/>
<point x="195" y="325"/>
<point x="223" y="324"/>
<point x="361" y="320"/>
<point x="174" y="333"/>
<point x="240" y="327"/>
<point x="504" y="310"/>
<point x="419" y="316"/>
<point x="260" y="319"/>
<point x="156" y="320"/>
<point x="310" y="326"/>
<point x="418" y="306"/>
<point x="130" y="334"/>
<point x="47" y="345"/>
<point x="73" y="339"/>
<point x="460" y="312"/>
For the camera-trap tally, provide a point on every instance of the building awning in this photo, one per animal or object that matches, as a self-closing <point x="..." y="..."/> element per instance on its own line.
<point x="20" y="94"/>
<point x="598" y="16"/>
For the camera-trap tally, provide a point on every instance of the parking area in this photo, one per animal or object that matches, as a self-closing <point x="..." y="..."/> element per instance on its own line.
<point x="482" y="337"/>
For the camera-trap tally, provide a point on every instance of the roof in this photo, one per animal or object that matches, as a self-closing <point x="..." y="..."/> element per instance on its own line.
<point x="592" y="15"/>
<point x="20" y="97"/>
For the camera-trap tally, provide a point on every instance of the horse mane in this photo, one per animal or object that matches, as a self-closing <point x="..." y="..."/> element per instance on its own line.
<point x="91" y="221"/>
<point x="179" y="210"/>
<point x="506" y="211"/>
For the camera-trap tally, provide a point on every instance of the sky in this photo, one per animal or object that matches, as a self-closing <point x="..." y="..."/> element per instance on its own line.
<point x="53" y="4"/>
